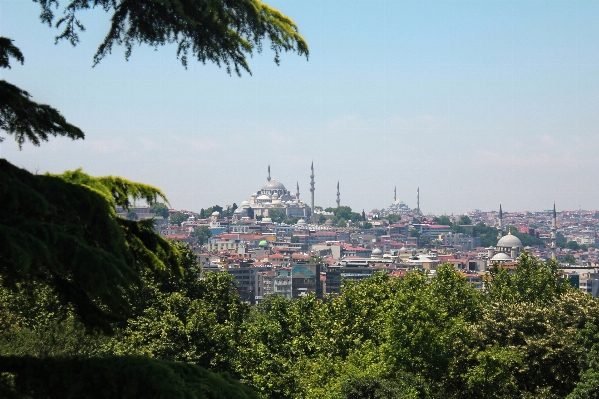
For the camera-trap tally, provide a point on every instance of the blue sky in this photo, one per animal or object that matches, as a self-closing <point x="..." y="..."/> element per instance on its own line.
<point x="475" y="102"/>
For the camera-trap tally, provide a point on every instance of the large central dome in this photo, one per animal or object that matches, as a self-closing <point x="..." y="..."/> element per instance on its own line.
<point x="510" y="241"/>
<point x="273" y="185"/>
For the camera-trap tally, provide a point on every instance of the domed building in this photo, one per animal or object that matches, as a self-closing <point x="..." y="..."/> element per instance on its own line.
<point x="508" y="248"/>
<point x="274" y="195"/>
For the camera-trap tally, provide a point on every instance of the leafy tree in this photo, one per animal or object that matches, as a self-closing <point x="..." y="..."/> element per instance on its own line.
<point x="414" y="233"/>
<point x="159" y="209"/>
<point x="573" y="245"/>
<point x="569" y="259"/>
<point x="295" y="239"/>
<point x="178" y="218"/>
<point x="443" y="220"/>
<point x="367" y="225"/>
<point x="322" y="219"/>
<point x="560" y="240"/>
<point x="64" y="233"/>
<point x="393" y="218"/>
<point x="202" y="234"/>
<point x="276" y="215"/>
<point x="487" y="234"/>
<point x="132" y="215"/>
<point x="202" y="214"/>
<point x="293" y="220"/>
<point x="464" y="219"/>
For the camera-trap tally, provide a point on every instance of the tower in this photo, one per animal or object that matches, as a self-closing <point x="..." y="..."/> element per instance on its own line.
<point x="554" y="234"/>
<point x="268" y="178"/>
<point x="500" y="233"/>
<point x="418" y="200"/>
<point x="395" y="194"/>
<point x="297" y="192"/>
<point x="312" y="191"/>
<point x="338" y="194"/>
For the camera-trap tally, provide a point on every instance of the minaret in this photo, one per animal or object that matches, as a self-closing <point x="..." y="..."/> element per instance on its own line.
<point x="338" y="194"/>
<point x="297" y="192"/>
<point x="395" y="194"/>
<point x="268" y="178"/>
<point x="312" y="191"/>
<point x="418" y="200"/>
<point x="554" y="234"/>
<point x="500" y="233"/>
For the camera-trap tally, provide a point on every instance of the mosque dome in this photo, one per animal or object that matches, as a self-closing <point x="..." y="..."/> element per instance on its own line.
<point x="216" y="213"/>
<point x="501" y="257"/>
<point x="273" y="185"/>
<point x="376" y="253"/>
<point x="244" y="204"/>
<point x="263" y="197"/>
<point x="509" y="241"/>
<point x="301" y="222"/>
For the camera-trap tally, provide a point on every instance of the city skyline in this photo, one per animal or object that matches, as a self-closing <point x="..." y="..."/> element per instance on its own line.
<point x="474" y="103"/>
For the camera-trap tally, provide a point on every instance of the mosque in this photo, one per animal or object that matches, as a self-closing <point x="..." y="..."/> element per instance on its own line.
<point x="274" y="195"/>
<point x="508" y="247"/>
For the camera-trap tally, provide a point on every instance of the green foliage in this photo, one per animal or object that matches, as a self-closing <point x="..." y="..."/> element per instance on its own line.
<point x="370" y="388"/>
<point x="295" y="239"/>
<point x="224" y="32"/>
<point x="526" y="239"/>
<point x="573" y="245"/>
<point x="393" y="218"/>
<point x="63" y="232"/>
<point x="464" y="219"/>
<point x="532" y="281"/>
<point x="114" y="377"/>
<point x="443" y="220"/>
<point x="569" y="259"/>
<point x="291" y="221"/>
<point x="177" y="218"/>
<point x="276" y="215"/>
<point x="132" y="215"/>
<point x="322" y="219"/>
<point x="367" y="225"/>
<point x="202" y="234"/>
<point x="487" y="234"/>
<point x="159" y="209"/>
<point x="24" y="118"/>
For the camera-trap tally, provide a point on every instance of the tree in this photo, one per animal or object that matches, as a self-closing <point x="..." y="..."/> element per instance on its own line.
<point x="569" y="259"/>
<point x="322" y="219"/>
<point x="159" y="209"/>
<point x="202" y="234"/>
<point x="132" y="215"/>
<point x="295" y="239"/>
<point x="464" y="219"/>
<point x="393" y="218"/>
<point x="444" y="220"/>
<point x="178" y="218"/>
<point x="276" y="215"/>
<point x="250" y="212"/>
<point x="573" y="245"/>
<point x="63" y="232"/>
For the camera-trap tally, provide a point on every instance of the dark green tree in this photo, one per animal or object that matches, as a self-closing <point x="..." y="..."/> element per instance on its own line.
<point x="276" y="215"/>
<point x="159" y="209"/>
<point x="464" y="219"/>
<point x="202" y="234"/>
<point x="573" y="245"/>
<point x="393" y="218"/>
<point x="177" y="218"/>
<point x="443" y="220"/>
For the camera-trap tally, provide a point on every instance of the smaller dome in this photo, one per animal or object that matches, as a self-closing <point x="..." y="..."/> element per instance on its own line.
<point x="244" y="204"/>
<point x="377" y="253"/>
<point x="301" y="222"/>
<point x="215" y="213"/>
<point x="263" y="197"/>
<point x="501" y="257"/>
<point x="266" y="220"/>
